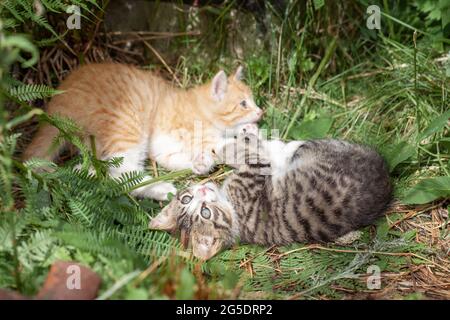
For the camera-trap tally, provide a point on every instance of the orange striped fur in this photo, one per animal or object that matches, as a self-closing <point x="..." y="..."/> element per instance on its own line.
<point x="135" y="114"/>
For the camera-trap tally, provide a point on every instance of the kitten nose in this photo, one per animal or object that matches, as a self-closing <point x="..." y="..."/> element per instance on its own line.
<point x="202" y="190"/>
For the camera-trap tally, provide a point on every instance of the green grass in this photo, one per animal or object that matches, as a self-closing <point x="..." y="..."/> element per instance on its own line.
<point x="372" y="87"/>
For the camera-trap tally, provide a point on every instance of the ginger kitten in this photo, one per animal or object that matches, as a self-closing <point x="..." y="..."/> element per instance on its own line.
<point x="135" y="114"/>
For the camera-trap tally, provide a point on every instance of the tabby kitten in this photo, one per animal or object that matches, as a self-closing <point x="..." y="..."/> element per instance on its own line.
<point x="281" y="193"/>
<point x="135" y="114"/>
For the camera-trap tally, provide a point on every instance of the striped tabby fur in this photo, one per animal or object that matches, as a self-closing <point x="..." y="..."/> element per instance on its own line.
<point x="311" y="191"/>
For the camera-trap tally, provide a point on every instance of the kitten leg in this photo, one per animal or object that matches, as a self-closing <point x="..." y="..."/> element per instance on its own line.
<point x="280" y="153"/>
<point x="133" y="159"/>
<point x="174" y="161"/>
<point x="348" y="238"/>
<point x="202" y="163"/>
<point x="223" y="152"/>
<point x="274" y="150"/>
<point x="173" y="155"/>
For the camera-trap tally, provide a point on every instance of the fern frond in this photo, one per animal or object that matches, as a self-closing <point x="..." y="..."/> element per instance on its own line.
<point x="115" y="162"/>
<point x="28" y="12"/>
<point x="82" y="4"/>
<point x="10" y="5"/>
<point x="11" y="81"/>
<point x="126" y="182"/>
<point x="37" y="249"/>
<point x="9" y="24"/>
<point x="35" y="163"/>
<point x="92" y="241"/>
<point x="50" y="41"/>
<point x="33" y="91"/>
<point x="80" y="210"/>
<point x="56" y="6"/>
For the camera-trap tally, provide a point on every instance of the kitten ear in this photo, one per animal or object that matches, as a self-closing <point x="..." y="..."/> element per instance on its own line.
<point x="219" y="85"/>
<point x="164" y="221"/>
<point x="204" y="247"/>
<point x="239" y="74"/>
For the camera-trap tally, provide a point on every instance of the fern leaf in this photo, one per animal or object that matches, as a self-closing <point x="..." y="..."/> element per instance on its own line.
<point x="80" y="210"/>
<point x="33" y="91"/>
<point x="11" y="7"/>
<point x="56" y="6"/>
<point x="36" y="249"/>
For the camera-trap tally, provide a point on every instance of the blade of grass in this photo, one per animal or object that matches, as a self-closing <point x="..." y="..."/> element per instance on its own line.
<point x="328" y="53"/>
<point x="169" y="176"/>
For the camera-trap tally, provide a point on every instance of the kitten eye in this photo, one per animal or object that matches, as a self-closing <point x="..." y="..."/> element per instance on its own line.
<point x="186" y="199"/>
<point x="206" y="213"/>
<point x="243" y="104"/>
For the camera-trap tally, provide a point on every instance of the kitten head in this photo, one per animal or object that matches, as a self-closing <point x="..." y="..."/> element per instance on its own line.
<point x="231" y="101"/>
<point x="204" y="218"/>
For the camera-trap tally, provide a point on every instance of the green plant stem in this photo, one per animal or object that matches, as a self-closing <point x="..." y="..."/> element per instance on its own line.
<point x="19" y="165"/>
<point x="169" y="176"/>
<point x="328" y="53"/>
<point x="415" y="62"/>
<point x="17" y="278"/>
<point x="390" y="25"/>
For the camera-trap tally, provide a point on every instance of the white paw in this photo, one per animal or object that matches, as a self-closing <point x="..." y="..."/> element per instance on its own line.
<point x="159" y="191"/>
<point x="248" y="128"/>
<point x="202" y="164"/>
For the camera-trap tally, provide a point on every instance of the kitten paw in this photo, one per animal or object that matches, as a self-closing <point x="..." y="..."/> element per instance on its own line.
<point x="202" y="164"/>
<point x="348" y="238"/>
<point x="159" y="191"/>
<point x="248" y="128"/>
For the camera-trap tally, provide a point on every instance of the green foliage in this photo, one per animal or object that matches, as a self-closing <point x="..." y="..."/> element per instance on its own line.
<point x="32" y="92"/>
<point x="66" y="213"/>
<point x="398" y="153"/>
<point x="436" y="12"/>
<point x="12" y="47"/>
<point x="304" y="271"/>
<point x="28" y="21"/>
<point x="428" y="190"/>
<point x="438" y="124"/>
<point x="23" y="11"/>
<point x="312" y="129"/>
<point x="18" y="12"/>
<point x="74" y="209"/>
<point x="371" y="88"/>
<point x="186" y="288"/>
